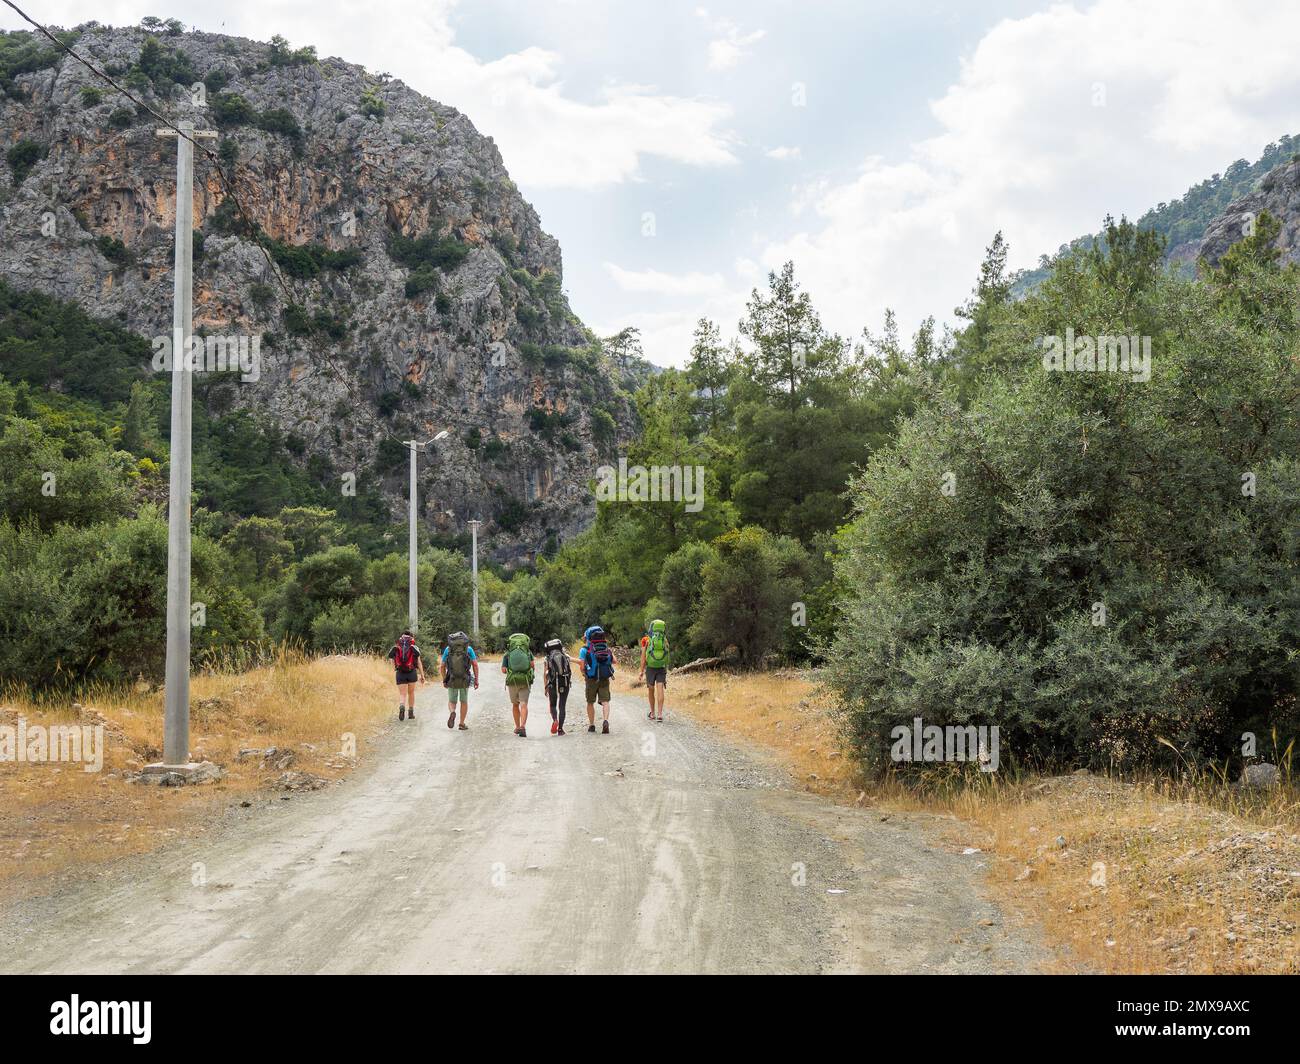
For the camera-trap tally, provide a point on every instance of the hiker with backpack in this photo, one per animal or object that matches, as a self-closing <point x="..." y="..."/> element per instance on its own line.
<point x="517" y="664"/>
<point x="409" y="665"/>
<point x="597" y="661"/>
<point x="558" y="678"/>
<point x="654" y="666"/>
<point x="459" y="664"/>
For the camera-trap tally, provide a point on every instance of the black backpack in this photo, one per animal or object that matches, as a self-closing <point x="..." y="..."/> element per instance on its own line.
<point x="458" y="666"/>
<point x="558" y="660"/>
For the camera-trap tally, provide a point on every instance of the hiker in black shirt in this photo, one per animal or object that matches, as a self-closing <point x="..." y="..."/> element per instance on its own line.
<point x="406" y="659"/>
<point x="558" y="678"/>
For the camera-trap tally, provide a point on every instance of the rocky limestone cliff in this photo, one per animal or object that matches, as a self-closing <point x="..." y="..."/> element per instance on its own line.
<point x="1279" y="194"/>
<point x="414" y="291"/>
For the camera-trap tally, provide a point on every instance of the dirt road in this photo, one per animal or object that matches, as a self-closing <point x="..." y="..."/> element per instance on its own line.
<point x="658" y="848"/>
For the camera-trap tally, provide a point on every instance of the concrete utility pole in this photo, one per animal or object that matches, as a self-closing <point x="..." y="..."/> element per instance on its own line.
<point x="473" y="528"/>
<point x="412" y="595"/>
<point x="176" y="720"/>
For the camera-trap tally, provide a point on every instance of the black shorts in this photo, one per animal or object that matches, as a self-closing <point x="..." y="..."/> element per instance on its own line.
<point x="405" y="676"/>
<point x="654" y="676"/>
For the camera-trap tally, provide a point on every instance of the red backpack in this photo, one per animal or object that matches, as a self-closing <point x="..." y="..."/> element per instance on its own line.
<point x="405" y="656"/>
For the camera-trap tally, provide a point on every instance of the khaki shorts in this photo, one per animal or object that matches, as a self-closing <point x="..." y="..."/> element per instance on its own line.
<point x="518" y="693"/>
<point x="597" y="690"/>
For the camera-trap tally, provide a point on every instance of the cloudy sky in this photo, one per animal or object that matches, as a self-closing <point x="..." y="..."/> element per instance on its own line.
<point x="679" y="151"/>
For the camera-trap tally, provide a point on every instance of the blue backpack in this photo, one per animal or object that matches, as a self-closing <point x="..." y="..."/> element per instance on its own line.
<point x="600" y="659"/>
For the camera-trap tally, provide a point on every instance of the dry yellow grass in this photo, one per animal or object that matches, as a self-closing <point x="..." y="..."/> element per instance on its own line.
<point x="1138" y="877"/>
<point x="1142" y="877"/>
<point x="57" y="817"/>
<point x="779" y="712"/>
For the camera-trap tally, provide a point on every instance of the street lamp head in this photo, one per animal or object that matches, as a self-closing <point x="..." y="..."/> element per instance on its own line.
<point x="441" y="436"/>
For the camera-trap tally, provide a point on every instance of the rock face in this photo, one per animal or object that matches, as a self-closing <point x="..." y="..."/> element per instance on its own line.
<point x="1259" y="775"/>
<point x="1278" y="193"/>
<point x="414" y="289"/>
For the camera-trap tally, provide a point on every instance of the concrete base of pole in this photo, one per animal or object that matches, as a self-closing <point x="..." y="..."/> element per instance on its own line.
<point x="178" y="775"/>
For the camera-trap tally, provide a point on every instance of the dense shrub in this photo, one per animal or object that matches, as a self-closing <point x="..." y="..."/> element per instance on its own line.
<point x="22" y="157"/>
<point x="1095" y="577"/>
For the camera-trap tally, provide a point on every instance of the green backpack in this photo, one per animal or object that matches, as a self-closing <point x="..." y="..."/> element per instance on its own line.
<point x="519" y="661"/>
<point x="656" y="648"/>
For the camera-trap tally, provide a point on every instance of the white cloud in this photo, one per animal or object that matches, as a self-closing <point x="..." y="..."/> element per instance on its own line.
<point x="783" y="153"/>
<point x="666" y="333"/>
<point x="730" y="46"/>
<point x="1186" y="85"/>
<point x="547" y="138"/>
<point x="666" y="284"/>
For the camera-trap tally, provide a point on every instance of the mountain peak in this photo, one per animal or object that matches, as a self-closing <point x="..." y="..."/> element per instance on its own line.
<point x="371" y="237"/>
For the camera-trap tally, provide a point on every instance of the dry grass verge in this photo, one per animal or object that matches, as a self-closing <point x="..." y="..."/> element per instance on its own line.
<point x="1146" y="876"/>
<point x="58" y="819"/>
<point x="777" y="711"/>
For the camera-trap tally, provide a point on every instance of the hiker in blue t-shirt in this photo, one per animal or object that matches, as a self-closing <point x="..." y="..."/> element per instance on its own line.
<point x="597" y="661"/>
<point x="459" y="665"/>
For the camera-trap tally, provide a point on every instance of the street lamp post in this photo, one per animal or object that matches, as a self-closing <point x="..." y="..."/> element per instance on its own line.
<point x="412" y="599"/>
<point x="473" y="527"/>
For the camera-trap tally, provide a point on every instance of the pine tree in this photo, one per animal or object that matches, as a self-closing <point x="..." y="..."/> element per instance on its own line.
<point x="708" y="371"/>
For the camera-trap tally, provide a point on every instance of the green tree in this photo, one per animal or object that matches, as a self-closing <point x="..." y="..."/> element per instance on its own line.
<point x="530" y="609"/>
<point x="310" y="529"/>
<point x="107" y="622"/>
<point x="260" y="548"/>
<point x="680" y="594"/>
<point x="315" y="583"/>
<point x="1090" y="561"/>
<point x="709" y="371"/>
<point x="80" y="480"/>
<point x="799" y="426"/>
<point x="750" y="590"/>
<point x="139" y="427"/>
<point x="368" y="624"/>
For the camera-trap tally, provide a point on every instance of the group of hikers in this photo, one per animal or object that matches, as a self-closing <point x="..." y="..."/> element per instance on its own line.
<point x="458" y="667"/>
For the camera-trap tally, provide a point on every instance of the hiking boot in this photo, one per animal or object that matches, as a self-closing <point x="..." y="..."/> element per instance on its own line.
<point x="523" y="734"/>
<point x="560" y="732"/>
<point x="591" y="727"/>
<point x="604" y="727"/>
<point x="411" y="713"/>
<point x="555" y="726"/>
<point x="401" y="712"/>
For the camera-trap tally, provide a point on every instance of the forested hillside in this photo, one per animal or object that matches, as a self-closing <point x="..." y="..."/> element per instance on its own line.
<point x="1184" y="222"/>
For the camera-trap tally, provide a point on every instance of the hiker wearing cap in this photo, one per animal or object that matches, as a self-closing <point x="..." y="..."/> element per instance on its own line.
<point x="517" y="664"/>
<point x="406" y="660"/>
<point x="597" y="662"/>
<point x="557" y="677"/>
<point x="459" y="667"/>
<point x="654" y="666"/>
